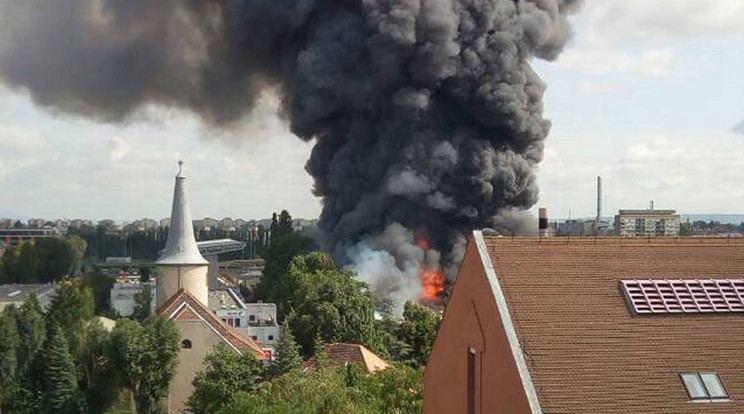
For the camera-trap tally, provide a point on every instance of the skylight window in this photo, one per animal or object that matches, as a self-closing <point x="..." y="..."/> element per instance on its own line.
<point x="684" y="296"/>
<point x="703" y="386"/>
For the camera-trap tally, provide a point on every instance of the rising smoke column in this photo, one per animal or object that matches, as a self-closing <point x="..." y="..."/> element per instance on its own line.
<point x="426" y="113"/>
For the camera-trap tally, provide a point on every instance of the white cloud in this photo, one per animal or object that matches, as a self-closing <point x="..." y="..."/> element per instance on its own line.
<point x="19" y="139"/>
<point x="664" y="19"/>
<point x="117" y="149"/>
<point x="81" y="168"/>
<point x="738" y="128"/>
<point x="690" y="173"/>
<point x="651" y="63"/>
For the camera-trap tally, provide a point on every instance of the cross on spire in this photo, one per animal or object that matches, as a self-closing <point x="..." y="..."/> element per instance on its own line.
<point x="180" y="166"/>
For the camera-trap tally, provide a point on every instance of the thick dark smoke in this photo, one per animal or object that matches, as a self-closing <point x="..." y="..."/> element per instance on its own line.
<point x="426" y="113"/>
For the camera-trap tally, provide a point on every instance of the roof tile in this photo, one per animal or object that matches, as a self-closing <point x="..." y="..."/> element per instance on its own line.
<point x="587" y="353"/>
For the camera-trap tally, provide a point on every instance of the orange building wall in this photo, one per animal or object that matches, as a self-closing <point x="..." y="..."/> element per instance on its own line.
<point x="471" y="320"/>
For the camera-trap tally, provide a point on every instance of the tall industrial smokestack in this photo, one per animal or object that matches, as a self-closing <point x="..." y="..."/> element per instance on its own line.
<point x="599" y="205"/>
<point x="542" y="223"/>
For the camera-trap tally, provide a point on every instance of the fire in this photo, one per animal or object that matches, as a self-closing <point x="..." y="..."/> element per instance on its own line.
<point x="432" y="283"/>
<point x="431" y="279"/>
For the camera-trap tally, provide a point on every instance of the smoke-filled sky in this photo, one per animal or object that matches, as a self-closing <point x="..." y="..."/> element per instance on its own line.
<point x="648" y="95"/>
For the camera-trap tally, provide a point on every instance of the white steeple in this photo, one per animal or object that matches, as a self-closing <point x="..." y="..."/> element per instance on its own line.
<point x="181" y="248"/>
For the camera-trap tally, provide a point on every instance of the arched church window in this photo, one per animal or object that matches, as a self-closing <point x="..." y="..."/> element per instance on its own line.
<point x="186" y="344"/>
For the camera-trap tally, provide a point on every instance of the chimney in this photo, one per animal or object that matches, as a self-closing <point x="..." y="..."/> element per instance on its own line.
<point x="542" y="223"/>
<point x="599" y="206"/>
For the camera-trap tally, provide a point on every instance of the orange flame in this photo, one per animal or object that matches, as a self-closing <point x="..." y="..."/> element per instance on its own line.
<point x="432" y="280"/>
<point x="432" y="283"/>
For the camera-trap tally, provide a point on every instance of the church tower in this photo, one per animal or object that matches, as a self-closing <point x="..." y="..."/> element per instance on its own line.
<point x="180" y="265"/>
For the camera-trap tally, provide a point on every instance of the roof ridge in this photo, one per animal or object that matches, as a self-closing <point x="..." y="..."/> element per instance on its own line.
<point x="228" y="332"/>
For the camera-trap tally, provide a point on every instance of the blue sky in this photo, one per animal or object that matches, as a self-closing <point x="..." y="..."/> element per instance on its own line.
<point x="647" y="95"/>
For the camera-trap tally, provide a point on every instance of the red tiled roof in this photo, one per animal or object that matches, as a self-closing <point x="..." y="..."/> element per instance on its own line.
<point x="174" y="307"/>
<point x="337" y="354"/>
<point x="587" y="353"/>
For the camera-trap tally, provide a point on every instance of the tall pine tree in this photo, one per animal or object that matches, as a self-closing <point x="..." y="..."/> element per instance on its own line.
<point x="31" y="332"/>
<point x="60" y="383"/>
<point x="287" y="351"/>
<point x="8" y="346"/>
<point x="284" y="225"/>
<point x="274" y="229"/>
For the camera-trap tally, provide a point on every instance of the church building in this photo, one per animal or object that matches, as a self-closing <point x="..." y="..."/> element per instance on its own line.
<point x="182" y="294"/>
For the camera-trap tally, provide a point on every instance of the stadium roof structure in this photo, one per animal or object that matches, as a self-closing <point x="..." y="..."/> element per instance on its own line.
<point x="221" y="246"/>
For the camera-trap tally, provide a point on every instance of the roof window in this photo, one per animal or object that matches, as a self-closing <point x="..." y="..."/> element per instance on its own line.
<point x="703" y="386"/>
<point x="684" y="296"/>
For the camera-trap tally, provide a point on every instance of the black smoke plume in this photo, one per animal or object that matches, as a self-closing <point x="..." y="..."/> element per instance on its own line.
<point x="426" y="114"/>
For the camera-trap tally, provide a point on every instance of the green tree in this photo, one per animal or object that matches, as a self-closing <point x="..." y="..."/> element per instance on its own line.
<point x="60" y="393"/>
<point x="78" y="246"/>
<point x="418" y="329"/>
<point x="71" y="307"/>
<point x="226" y="372"/>
<point x="274" y="227"/>
<point x="31" y="332"/>
<point x="101" y="377"/>
<point x="344" y="390"/>
<point x="9" y="343"/>
<point x="8" y="270"/>
<point x="274" y="286"/>
<point x="330" y="302"/>
<point x="391" y="346"/>
<point x="284" y="224"/>
<point x="56" y="259"/>
<point x="143" y="303"/>
<point x="100" y="284"/>
<point x="287" y="352"/>
<point x="27" y="265"/>
<point x="319" y="352"/>
<point x="317" y="392"/>
<point x="394" y="390"/>
<point x="146" y="355"/>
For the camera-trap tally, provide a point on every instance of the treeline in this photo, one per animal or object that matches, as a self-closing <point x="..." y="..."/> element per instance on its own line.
<point x="146" y="245"/>
<point x="66" y="362"/>
<point x="46" y="260"/>
<point x="143" y="245"/>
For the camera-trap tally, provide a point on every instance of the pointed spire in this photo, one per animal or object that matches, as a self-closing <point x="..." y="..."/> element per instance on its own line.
<point x="181" y="248"/>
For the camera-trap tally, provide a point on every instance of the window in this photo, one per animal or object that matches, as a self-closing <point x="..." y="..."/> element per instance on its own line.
<point x="702" y="386"/>
<point x="683" y="296"/>
<point x="237" y="323"/>
<point x="271" y="337"/>
<point x="252" y="318"/>
<point x="254" y="337"/>
<point x="186" y="344"/>
<point x="713" y="385"/>
<point x="471" y="380"/>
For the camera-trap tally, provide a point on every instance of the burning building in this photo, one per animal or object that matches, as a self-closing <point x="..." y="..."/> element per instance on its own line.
<point x="426" y="115"/>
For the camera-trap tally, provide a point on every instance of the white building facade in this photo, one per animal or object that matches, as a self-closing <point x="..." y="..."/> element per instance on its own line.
<point x="255" y="320"/>
<point x="647" y="223"/>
